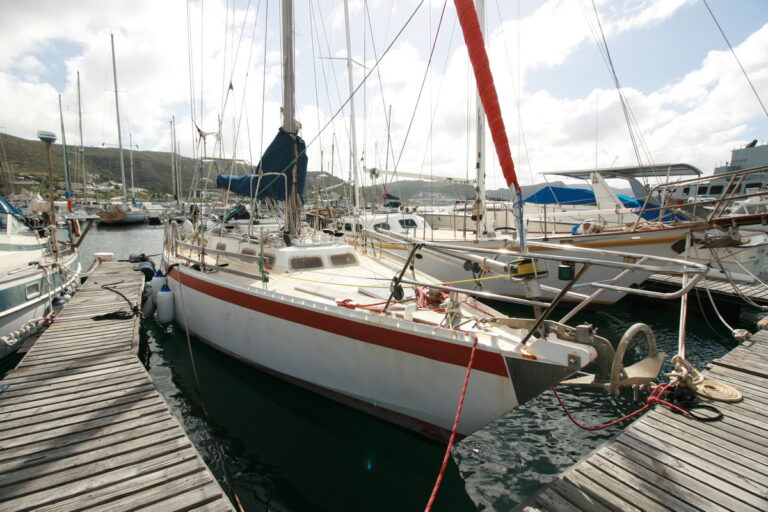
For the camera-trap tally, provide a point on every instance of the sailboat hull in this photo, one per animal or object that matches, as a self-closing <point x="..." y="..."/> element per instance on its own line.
<point x="411" y="378"/>
<point x="25" y="296"/>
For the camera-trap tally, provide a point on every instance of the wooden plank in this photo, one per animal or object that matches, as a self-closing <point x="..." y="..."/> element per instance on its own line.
<point x="138" y="491"/>
<point x="36" y="377"/>
<point x="739" y="470"/>
<point x="576" y="495"/>
<point x="18" y="403"/>
<point x="76" y="481"/>
<point x="41" y="411"/>
<point x="636" y="482"/>
<point x="190" y="499"/>
<point x="656" y="478"/>
<point x="623" y="496"/>
<point x="710" y="433"/>
<point x="73" y="422"/>
<point x="40" y="389"/>
<point x="679" y="472"/>
<point x="21" y="472"/>
<point x="82" y="440"/>
<point x="84" y="427"/>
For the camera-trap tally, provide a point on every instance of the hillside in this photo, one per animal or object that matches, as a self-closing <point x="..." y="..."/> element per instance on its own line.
<point x="152" y="170"/>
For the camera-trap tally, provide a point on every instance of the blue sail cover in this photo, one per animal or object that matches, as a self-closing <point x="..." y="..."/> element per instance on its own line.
<point x="562" y="195"/>
<point x="278" y="158"/>
<point x="6" y="207"/>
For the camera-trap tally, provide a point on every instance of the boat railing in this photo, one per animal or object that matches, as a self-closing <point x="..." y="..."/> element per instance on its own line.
<point x="705" y="206"/>
<point x="505" y="262"/>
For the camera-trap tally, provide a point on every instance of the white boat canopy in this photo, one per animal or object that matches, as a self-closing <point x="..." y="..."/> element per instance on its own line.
<point x="633" y="171"/>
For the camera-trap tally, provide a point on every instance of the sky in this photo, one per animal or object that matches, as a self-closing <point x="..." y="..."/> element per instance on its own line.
<point x="689" y="100"/>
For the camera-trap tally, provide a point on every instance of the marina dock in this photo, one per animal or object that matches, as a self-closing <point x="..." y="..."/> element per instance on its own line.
<point x="82" y="426"/>
<point x="665" y="461"/>
<point x="721" y="290"/>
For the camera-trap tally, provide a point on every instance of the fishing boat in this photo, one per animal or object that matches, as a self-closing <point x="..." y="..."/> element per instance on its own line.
<point x="367" y="331"/>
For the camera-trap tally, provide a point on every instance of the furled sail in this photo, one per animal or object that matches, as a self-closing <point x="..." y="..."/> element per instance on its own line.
<point x="473" y="38"/>
<point x="279" y="157"/>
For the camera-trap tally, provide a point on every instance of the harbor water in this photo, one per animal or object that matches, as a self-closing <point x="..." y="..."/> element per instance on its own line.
<point x="290" y="450"/>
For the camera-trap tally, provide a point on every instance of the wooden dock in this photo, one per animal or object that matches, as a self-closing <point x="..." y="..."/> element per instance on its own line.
<point x="721" y="290"/>
<point x="81" y="423"/>
<point x="664" y="461"/>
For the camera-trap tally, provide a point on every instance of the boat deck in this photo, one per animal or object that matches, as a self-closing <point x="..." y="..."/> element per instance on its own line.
<point x="664" y="461"/>
<point x="81" y="423"/>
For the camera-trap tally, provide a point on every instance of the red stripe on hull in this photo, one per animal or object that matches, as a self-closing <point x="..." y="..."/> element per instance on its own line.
<point x="436" y="350"/>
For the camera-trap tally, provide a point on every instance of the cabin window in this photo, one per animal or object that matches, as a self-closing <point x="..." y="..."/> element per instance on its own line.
<point x="339" y="260"/>
<point x="751" y="187"/>
<point x="347" y="227"/>
<point x="407" y="223"/>
<point x="381" y="225"/>
<point x="306" y="262"/>
<point x="33" y="290"/>
<point x="3" y="221"/>
<point x="686" y="191"/>
<point x="703" y="190"/>
<point x="248" y="251"/>
<point x="734" y="188"/>
<point x="716" y="190"/>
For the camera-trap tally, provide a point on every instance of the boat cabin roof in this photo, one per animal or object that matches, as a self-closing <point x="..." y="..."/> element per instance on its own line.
<point x="633" y="171"/>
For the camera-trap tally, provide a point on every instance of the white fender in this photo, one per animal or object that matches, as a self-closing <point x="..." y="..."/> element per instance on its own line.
<point x="156" y="284"/>
<point x="165" y="309"/>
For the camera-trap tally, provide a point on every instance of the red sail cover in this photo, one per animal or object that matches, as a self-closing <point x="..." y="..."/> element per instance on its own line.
<point x="473" y="38"/>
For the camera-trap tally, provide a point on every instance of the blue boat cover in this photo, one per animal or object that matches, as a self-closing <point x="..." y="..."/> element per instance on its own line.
<point x="6" y="207"/>
<point x="562" y="195"/>
<point x="278" y="158"/>
<point x="565" y="195"/>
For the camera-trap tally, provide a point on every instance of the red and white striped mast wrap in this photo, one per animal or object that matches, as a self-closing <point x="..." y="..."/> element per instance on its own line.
<point x="473" y="38"/>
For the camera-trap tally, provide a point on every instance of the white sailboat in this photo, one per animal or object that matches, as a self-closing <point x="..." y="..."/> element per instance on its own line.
<point x="121" y="212"/>
<point x="363" y="330"/>
<point x="34" y="270"/>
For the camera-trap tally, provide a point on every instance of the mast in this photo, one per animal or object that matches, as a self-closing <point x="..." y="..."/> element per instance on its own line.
<point x="351" y="110"/>
<point x="293" y="202"/>
<point x="173" y="163"/>
<point x="480" y="204"/>
<point x="81" y="151"/>
<point x="473" y="38"/>
<point x="64" y="147"/>
<point x="130" y="156"/>
<point x="117" y="109"/>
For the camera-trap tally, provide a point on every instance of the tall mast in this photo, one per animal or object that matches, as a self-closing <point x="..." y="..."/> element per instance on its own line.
<point x="80" y="153"/>
<point x="117" y="109"/>
<point x="293" y="202"/>
<point x="130" y="156"/>
<point x="351" y="110"/>
<point x="173" y="163"/>
<point x="289" y="86"/>
<point x="64" y="147"/>
<point x="479" y="210"/>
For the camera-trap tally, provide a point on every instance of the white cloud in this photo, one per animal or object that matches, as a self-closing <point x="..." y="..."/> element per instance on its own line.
<point x="695" y="119"/>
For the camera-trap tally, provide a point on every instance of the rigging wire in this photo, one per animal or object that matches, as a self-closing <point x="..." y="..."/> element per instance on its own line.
<point x="633" y="126"/>
<point x="733" y="52"/>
